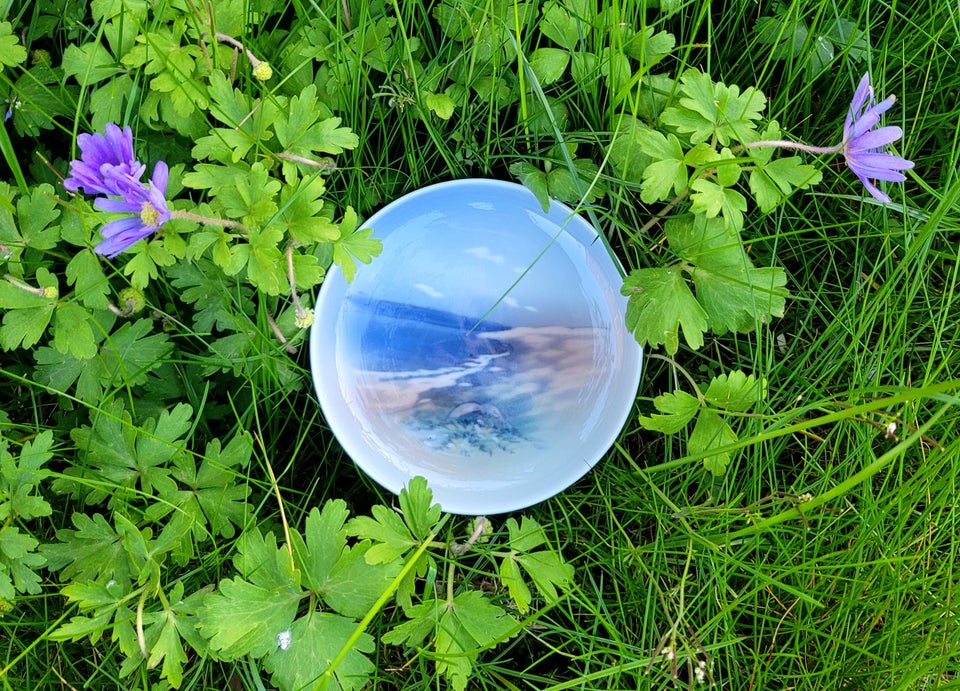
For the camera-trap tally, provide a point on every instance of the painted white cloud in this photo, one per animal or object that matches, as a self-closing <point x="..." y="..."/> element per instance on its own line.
<point x="486" y="254"/>
<point x="428" y="290"/>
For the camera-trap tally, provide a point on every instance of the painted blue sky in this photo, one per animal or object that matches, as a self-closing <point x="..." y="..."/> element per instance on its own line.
<point x="462" y="257"/>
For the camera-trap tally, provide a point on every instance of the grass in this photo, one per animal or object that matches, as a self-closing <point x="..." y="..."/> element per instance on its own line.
<point x="857" y="589"/>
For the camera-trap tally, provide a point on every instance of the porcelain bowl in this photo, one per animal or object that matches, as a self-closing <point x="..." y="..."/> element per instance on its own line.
<point x="484" y="349"/>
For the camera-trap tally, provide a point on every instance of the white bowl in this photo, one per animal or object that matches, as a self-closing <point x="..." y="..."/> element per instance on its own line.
<point x="484" y="349"/>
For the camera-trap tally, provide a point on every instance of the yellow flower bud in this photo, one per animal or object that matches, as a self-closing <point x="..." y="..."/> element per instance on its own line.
<point x="262" y="71"/>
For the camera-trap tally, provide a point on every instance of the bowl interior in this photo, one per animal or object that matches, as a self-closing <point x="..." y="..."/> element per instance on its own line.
<point x="484" y="349"/>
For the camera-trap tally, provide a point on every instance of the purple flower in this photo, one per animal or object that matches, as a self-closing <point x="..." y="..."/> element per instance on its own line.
<point x="107" y="167"/>
<point x="147" y="206"/>
<point x="106" y="164"/>
<point x="863" y="145"/>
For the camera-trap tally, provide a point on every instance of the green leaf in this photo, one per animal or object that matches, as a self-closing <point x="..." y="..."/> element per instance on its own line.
<point x="649" y="48"/>
<point x="668" y="170"/>
<point x="126" y="456"/>
<point x="21" y="476"/>
<point x="144" y="265"/>
<point x="302" y="655"/>
<point x="166" y="631"/>
<point x="354" y="585"/>
<point x="43" y="100"/>
<point x="18" y="561"/>
<point x="14" y="297"/>
<point x="441" y="104"/>
<point x="419" y="511"/>
<point x="265" y="261"/>
<point x="302" y="211"/>
<point x="95" y="551"/>
<point x="354" y="245"/>
<point x="563" y="187"/>
<point x="462" y="628"/>
<point x="299" y="132"/>
<point x="89" y="63"/>
<point x="11" y="52"/>
<point x="128" y="354"/>
<point x="560" y="27"/>
<point x="324" y="542"/>
<point x="626" y="150"/>
<point x="545" y="567"/>
<point x="251" y="197"/>
<point x="72" y="332"/>
<point x="385" y="528"/>
<point x="676" y="408"/>
<point x="35" y="214"/>
<point x="728" y="167"/>
<point x="24" y="327"/>
<point x="218" y="303"/>
<point x="534" y="180"/>
<point x="710" y="110"/>
<point x="248" y="617"/>
<point x="738" y="297"/>
<point x="712" y="199"/>
<point x="711" y="432"/>
<point x="734" y="391"/>
<point x="771" y="183"/>
<point x="548" y="572"/>
<point x="517" y="588"/>
<point x="107" y="102"/>
<point x="211" y="498"/>
<point x="704" y="241"/>
<point x="660" y="302"/>
<point x="549" y="64"/>
<point x="85" y="273"/>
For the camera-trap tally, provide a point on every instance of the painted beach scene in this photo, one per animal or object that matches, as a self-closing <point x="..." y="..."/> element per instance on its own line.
<point x="484" y="347"/>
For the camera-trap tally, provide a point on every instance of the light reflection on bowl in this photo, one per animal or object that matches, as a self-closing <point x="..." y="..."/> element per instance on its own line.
<point x="485" y="349"/>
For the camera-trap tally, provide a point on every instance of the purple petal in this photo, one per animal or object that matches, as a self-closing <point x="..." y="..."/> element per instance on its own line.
<point x="106" y="164"/>
<point x="874" y="190"/>
<point x="875" y="139"/>
<point x="160" y="175"/>
<point x="124" y="206"/>
<point x="121" y="234"/>
<point x="871" y="117"/>
<point x="121" y="227"/>
<point x="881" y="169"/>
<point x="860" y="96"/>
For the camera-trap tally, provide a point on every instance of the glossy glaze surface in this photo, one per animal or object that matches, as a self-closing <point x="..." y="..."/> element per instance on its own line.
<point x="484" y="349"/>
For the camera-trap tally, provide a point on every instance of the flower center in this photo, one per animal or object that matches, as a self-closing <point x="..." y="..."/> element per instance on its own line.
<point x="149" y="215"/>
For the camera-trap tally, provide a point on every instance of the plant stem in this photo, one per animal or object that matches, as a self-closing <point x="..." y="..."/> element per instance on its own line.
<point x="223" y="222"/>
<point x="784" y="144"/>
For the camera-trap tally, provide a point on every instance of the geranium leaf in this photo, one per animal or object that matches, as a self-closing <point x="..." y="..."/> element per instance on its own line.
<point x="676" y="410"/>
<point x="660" y="302"/>
<point x="734" y="391"/>
<point x="711" y="432"/>
<point x="302" y="654"/>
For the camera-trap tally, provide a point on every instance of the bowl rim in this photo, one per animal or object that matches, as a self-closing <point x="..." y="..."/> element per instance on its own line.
<point x="326" y="376"/>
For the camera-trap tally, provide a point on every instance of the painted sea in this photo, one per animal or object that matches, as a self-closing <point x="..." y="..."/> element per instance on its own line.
<point x="440" y="387"/>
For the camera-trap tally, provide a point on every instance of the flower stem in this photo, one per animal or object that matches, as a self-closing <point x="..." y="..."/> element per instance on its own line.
<point x="663" y="212"/>
<point x="49" y="292"/>
<point x="784" y="144"/>
<point x="304" y="316"/>
<point x="223" y="222"/>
